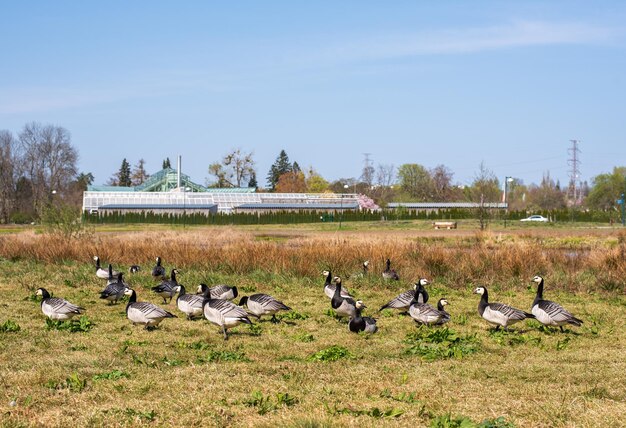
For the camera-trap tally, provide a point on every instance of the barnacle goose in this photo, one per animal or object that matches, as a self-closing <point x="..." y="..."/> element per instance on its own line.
<point x="389" y="273"/>
<point x="220" y="291"/>
<point x="329" y="287"/>
<point x="223" y="313"/>
<point x="263" y="304"/>
<point x="359" y="323"/>
<point x="56" y="308"/>
<point x="343" y="306"/>
<point x="134" y="269"/>
<point x="146" y="313"/>
<point x="550" y="313"/>
<point x="404" y="300"/>
<point x="114" y="290"/>
<point x="102" y="273"/>
<point x="189" y="304"/>
<point x="499" y="314"/>
<point x="158" y="271"/>
<point x="168" y="287"/>
<point x="423" y="313"/>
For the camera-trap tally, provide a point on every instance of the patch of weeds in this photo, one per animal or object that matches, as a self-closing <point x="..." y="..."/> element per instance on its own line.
<point x="562" y="344"/>
<point x="266" y="404"/>
<point x="290" y="358"/>
<point x="112" y="375"/>
<point x="81" y="325"/>
<point x="248" y="288"/>
<point x="221" y="356"/>
<point x="255" y="329"/>
<point x="332" y="353"/>
<point x="292" y="316"/>
<point x="373" y="413"/>
<point x="385" y="313"/>
<point x="72" y="382"/>
<point x="128" y="343"/>
<point x="448" y="421"/>
<point x="403" y="397"/>
<point x="79" y="347"/>
<point x="9" y="326"/>
<point x="68" y="283"/>
<point x="512" y="338"/>
<point x="144" y="360"/>
<point x="198" y="346"/>
<point x="434" y="344"/>
<point x="305" y="337"/>
<point x="599" y="393"/>
<point x="146" y="416"/>
<point x="330" y="312"/>
<point x="461" y="319"/>
<point x="171" y="363"/>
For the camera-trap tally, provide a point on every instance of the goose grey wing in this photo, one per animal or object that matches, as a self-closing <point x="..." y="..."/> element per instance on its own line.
<point x="557" y="312"/>
<point x="508" y="311"/>
<point x="194" y="300"/>
<point x="269" y="303"/>
<point x="62" y="306"/>
<point x="227" y="309"/>
<point x="403" y="300"/>
<point x="150" y="310"/>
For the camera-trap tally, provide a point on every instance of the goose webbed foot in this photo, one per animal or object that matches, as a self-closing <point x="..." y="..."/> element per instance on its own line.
<point x="225" y="334"/>
<point x="274" y="319"/>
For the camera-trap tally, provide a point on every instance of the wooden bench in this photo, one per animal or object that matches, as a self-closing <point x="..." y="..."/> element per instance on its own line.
<point x="444" y="224"/>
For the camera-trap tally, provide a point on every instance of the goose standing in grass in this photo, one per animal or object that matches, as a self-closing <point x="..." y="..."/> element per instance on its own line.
<point x="102" y="273"/>
<point x="329" y="287"/>
<point x="550" y="313"/>
<point x="189" y="304"/>
<point x="263" y="304"/>
<point x="134" y="269"/>
<point x="158" y="271"/>
<point x="423" y="313"/>
<point x="390" y="274"/>
<point x="364" y="271"/>
<point x="146" y="313"/>
<point x="359" y="323"/>
<point x="223" y="313"/>
<point x="56" y="308"/>
<point x="403" y="301"/>
<point x="343" y="306"/>
<point x="114" y="290"/>
<point x="167" y="288"/>
<point x="499" y="314"/>
<point x="220" y="291"/>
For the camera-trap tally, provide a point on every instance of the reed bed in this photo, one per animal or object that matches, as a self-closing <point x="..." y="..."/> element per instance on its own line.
<point x="573" y="265"/>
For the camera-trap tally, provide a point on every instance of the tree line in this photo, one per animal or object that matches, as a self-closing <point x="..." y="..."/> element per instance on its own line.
<point x="412" y="182"/>
<point x="39" y="169"/>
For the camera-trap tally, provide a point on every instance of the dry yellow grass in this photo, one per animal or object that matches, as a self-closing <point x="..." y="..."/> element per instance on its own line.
<point x="184" y="374"/>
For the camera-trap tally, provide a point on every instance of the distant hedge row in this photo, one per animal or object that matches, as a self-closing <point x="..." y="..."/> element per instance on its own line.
<point x="288" y="217"/>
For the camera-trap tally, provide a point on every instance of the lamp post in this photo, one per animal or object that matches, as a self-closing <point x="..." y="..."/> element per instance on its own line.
<point x="345" y="187"/>
<point x="507" y="180"/>
<point x="185" y="190"/>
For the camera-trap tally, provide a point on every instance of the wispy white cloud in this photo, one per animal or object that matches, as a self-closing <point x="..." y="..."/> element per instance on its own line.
<point x="39" y="98"/>
<point x="465" y="41"/>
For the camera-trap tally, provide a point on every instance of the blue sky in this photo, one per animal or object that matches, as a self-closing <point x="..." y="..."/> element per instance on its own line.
<point x="453" y="83"/>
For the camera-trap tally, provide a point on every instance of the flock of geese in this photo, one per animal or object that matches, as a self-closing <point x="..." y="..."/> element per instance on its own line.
<point x="215" y="303"/>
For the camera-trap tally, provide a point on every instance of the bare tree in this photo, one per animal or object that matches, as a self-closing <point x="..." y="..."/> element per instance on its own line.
<point x="442" y="183"/>
<point x="139" y="174"/>
<point x="49" y="161"/>
<point x="385" y="177"/>
<point x="9" y="169"/>
<point x="485" y="188"/>
<point x="235" y="168"/>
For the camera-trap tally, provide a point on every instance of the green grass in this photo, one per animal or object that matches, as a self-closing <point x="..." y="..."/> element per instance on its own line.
<point x="307" y="370"/>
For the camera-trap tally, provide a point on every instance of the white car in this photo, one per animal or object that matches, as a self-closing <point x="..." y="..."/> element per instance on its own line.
<point x="535" y="217"/>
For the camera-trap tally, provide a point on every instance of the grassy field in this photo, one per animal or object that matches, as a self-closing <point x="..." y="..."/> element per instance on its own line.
<point x="309" y="370"/>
